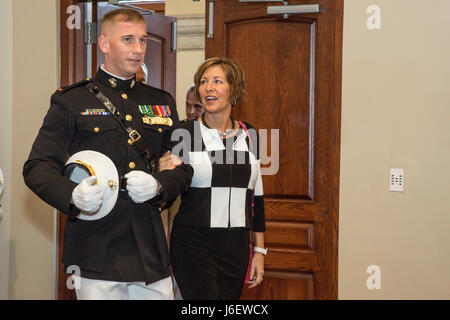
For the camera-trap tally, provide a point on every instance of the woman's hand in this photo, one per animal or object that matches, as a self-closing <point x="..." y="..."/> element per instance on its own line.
<point x="169" y="162"/>
<point x="256" y="270"/>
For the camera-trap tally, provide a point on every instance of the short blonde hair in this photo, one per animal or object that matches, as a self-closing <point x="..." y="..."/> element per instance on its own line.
<point x="121" y="15"/>
<point x="233" y="72"/>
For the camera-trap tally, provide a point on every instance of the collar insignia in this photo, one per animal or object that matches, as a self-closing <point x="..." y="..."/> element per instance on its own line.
<point x="113" y="82"/>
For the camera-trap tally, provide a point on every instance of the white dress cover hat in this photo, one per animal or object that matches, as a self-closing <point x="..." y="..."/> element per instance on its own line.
<point x="92" y="163"/>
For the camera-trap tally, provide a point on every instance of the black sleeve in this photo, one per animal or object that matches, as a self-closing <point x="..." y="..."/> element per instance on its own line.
<point x="259" y="221"/>
<point x="177" y="181"/>
<point x="42" y="171"/>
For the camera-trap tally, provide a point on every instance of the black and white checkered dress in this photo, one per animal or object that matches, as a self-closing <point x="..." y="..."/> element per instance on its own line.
<point x="210" y="232"/>
<point x="225" y="179"/>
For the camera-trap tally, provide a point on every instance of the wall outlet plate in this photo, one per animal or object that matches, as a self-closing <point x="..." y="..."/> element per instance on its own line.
<point x="396" y="180"/>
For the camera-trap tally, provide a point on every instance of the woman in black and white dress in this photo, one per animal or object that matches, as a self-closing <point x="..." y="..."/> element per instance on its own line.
<point x="210" y="236"/>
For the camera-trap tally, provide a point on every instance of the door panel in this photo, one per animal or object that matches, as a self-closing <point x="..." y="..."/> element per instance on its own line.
<point x="289" y="285"/>
<point x="73" y="53"/>
<point x="292" y="235"/>
<point x="73" y="69"/>
<point x="293" y="80"/>
<point x="284" y="88"/>
<point x="160" y="58"/>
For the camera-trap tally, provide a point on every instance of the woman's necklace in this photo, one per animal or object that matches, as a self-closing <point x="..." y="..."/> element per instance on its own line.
<point x="224" y="134"/>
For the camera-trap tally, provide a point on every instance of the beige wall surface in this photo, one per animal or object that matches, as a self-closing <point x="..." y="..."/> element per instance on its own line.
<point x="190" y="54"/>
<point x="395" y="113"/>
<point x="182" y="7"/>
<point x="35" y="77"/>
<point x="5" y="139"/>
<point x="187" y="64"/>
<point x="188" y="60"/>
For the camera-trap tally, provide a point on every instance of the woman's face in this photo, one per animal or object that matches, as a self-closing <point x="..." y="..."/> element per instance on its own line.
<point x="214" y="90"/>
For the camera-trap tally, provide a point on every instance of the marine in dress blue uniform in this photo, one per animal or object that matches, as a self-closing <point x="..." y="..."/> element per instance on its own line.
<point x="129" y="244"/>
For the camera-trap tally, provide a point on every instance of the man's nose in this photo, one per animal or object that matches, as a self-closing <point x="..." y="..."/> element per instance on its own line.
<point x="139" y="47"/>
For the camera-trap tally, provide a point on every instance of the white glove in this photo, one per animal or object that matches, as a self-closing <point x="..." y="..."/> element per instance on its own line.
<point x="88" y="196"/>
<point x="141" y="186"/>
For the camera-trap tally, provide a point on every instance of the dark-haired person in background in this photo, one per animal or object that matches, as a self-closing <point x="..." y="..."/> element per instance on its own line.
<point x="194" y="107"/>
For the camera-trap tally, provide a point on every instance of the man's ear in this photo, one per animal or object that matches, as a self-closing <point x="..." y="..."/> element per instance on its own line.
<point x="103" y="44"/>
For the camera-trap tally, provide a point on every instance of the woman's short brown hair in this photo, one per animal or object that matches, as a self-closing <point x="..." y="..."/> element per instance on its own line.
<point x="233" y="72"/>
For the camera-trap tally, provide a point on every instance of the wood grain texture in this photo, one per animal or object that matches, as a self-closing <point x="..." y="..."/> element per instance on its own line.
<point x="73" y="69"/>
<point x="280" y="93"/>
<point x="289" y="235"/>
<point x="289" y="209"/>
<point x="291" y="286"/>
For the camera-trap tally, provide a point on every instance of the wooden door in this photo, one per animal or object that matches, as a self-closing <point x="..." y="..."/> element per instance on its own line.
<point x="160" y="60"/>
<point x="293" y="80"/>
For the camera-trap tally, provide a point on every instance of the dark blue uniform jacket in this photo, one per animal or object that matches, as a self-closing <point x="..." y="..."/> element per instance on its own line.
<point x="129" y="244"/>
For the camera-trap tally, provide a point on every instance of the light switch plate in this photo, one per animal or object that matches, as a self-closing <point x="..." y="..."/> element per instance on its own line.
<point x="397" y="180"/>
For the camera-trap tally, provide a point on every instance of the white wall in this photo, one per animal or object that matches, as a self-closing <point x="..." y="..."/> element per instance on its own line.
<point x="35" y="78"/>
<point x="5" y="139"/>
<point x="184" y="7"/>
<point x="395" y="113"/>
<point x="191" y="52"/>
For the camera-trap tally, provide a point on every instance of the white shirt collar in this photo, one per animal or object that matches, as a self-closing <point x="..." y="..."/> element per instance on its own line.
<point x="103" y="68"/>
<point x="213" y="141"/>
